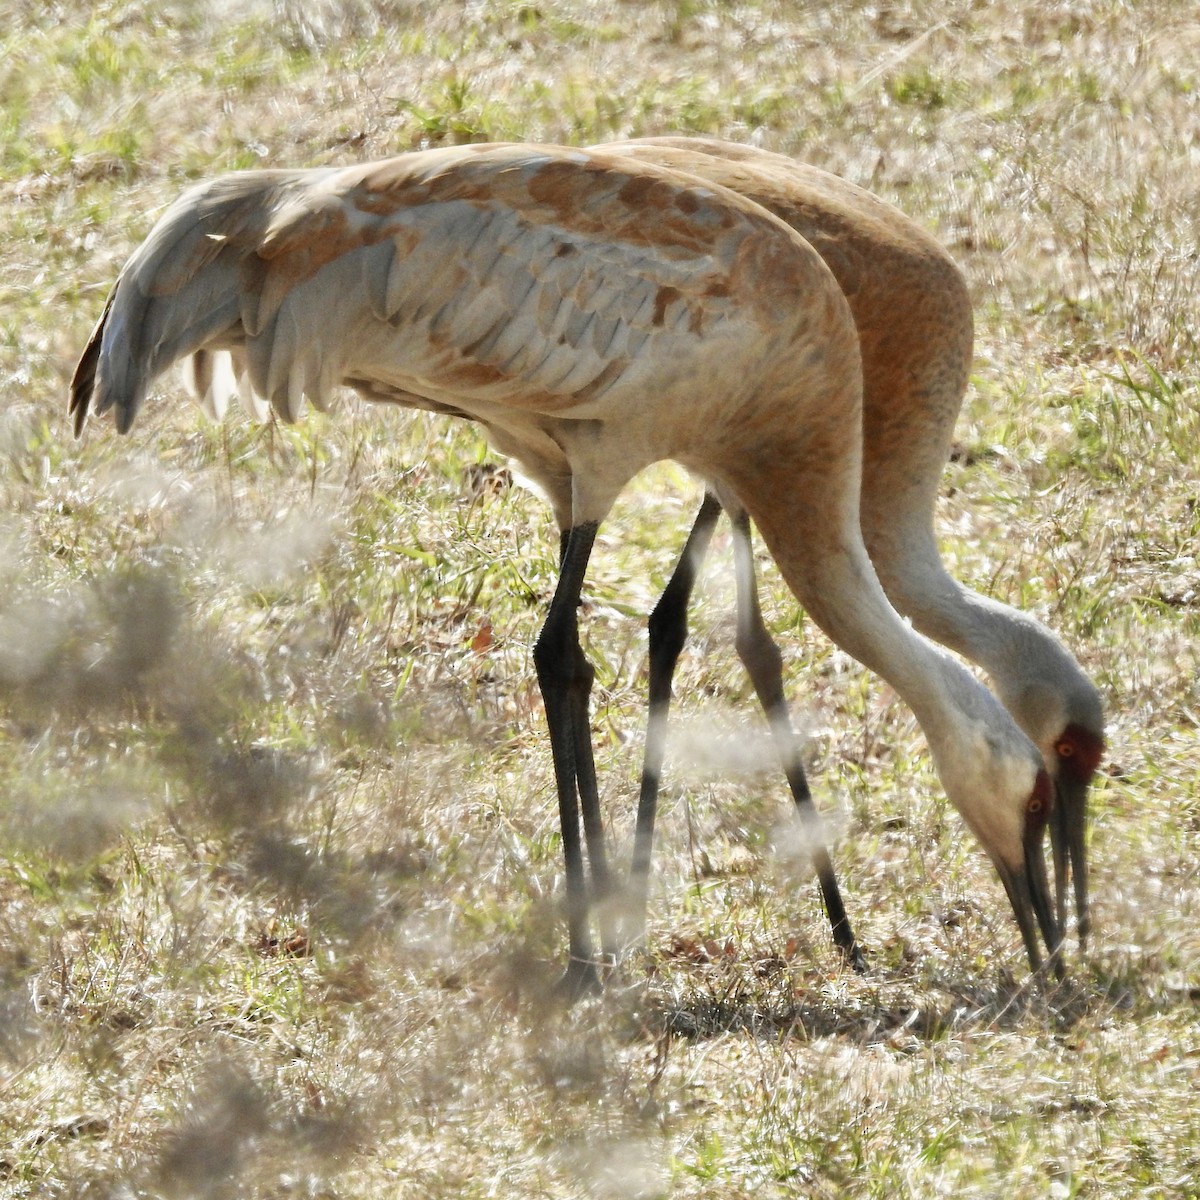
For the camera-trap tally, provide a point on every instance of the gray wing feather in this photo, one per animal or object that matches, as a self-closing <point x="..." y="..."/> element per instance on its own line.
<point x="314" y="288"/>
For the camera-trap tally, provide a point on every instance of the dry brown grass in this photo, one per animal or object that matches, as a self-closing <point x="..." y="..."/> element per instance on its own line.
<point x="280" y="870"/>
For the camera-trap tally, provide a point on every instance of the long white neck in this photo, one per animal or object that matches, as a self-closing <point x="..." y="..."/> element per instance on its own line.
<point x="1033" y="672"/>
<point x="843" y="595"/>
<point x="983" y="759"/>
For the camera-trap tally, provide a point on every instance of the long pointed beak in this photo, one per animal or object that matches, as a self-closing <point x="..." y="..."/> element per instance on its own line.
<point x="1029" y="894"/>
<point x="1068" y="839"/>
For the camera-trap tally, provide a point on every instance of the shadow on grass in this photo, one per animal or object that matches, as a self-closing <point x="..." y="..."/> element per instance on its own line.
<point x="773" y="1001"/>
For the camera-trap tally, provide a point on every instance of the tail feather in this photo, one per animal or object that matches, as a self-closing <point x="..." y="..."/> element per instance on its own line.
<point x="83" y="382"/>
<point x="181" y="291"/>
<point x="210" y="380"/>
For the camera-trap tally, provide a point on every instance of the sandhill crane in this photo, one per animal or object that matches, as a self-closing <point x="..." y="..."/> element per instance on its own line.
<point x="913" y="314"/>
<point x="595" y="315"/>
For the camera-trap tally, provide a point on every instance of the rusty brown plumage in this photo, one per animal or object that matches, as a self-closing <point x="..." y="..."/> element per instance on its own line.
<point x="594" y="314"/>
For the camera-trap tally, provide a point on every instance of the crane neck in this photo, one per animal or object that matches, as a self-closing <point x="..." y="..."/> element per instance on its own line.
<point x="816" y="544"/>
<point x="1035" y="675"/>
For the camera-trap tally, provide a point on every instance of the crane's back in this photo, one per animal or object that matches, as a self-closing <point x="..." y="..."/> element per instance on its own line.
<point x="536" y="289"/>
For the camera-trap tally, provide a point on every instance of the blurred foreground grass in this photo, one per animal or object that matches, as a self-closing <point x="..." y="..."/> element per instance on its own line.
<point x="280" y="858"/>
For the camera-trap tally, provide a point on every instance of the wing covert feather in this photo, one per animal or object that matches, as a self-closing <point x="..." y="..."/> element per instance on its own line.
<point x="526" y="276"/>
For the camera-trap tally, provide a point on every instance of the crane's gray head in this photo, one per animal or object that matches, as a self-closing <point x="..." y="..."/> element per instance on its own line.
<point x="1061" y="711"/>
<point x="995" y="777"/>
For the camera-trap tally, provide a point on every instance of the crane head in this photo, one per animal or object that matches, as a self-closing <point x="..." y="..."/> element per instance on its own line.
<point x="1075" y="756"/>
<point x="996" y="779"/>
<point x="1061" y="711"/>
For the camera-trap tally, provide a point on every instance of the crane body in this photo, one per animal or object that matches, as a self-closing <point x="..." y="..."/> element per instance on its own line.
<point x="594" y="315"/>
<point x="913" y="314"/>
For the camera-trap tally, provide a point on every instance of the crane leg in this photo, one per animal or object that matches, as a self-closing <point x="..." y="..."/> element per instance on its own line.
<point x="764" y="664"/>
<point x="602" y="894"/>
<point x="668" y="633"/>
<point x="565" y="678"/>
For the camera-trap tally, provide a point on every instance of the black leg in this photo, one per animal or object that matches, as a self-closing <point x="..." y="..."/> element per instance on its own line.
<point x="602" y="893"/>
<point x="565" y="678"/>
<point x="764" y="664"/>
<point x="668" y="632"/>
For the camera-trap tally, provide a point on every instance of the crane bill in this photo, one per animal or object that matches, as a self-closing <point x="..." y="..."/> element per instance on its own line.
<point x="1068" y="840"/>
<point x="1029" y="894"/>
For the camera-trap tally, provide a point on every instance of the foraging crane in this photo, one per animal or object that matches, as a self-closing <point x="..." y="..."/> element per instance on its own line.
<point x="913" y="315"/>
<point x="595" y="315"/>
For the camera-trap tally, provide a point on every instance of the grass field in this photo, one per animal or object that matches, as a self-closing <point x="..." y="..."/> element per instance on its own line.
<point x="280" y="872"/>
